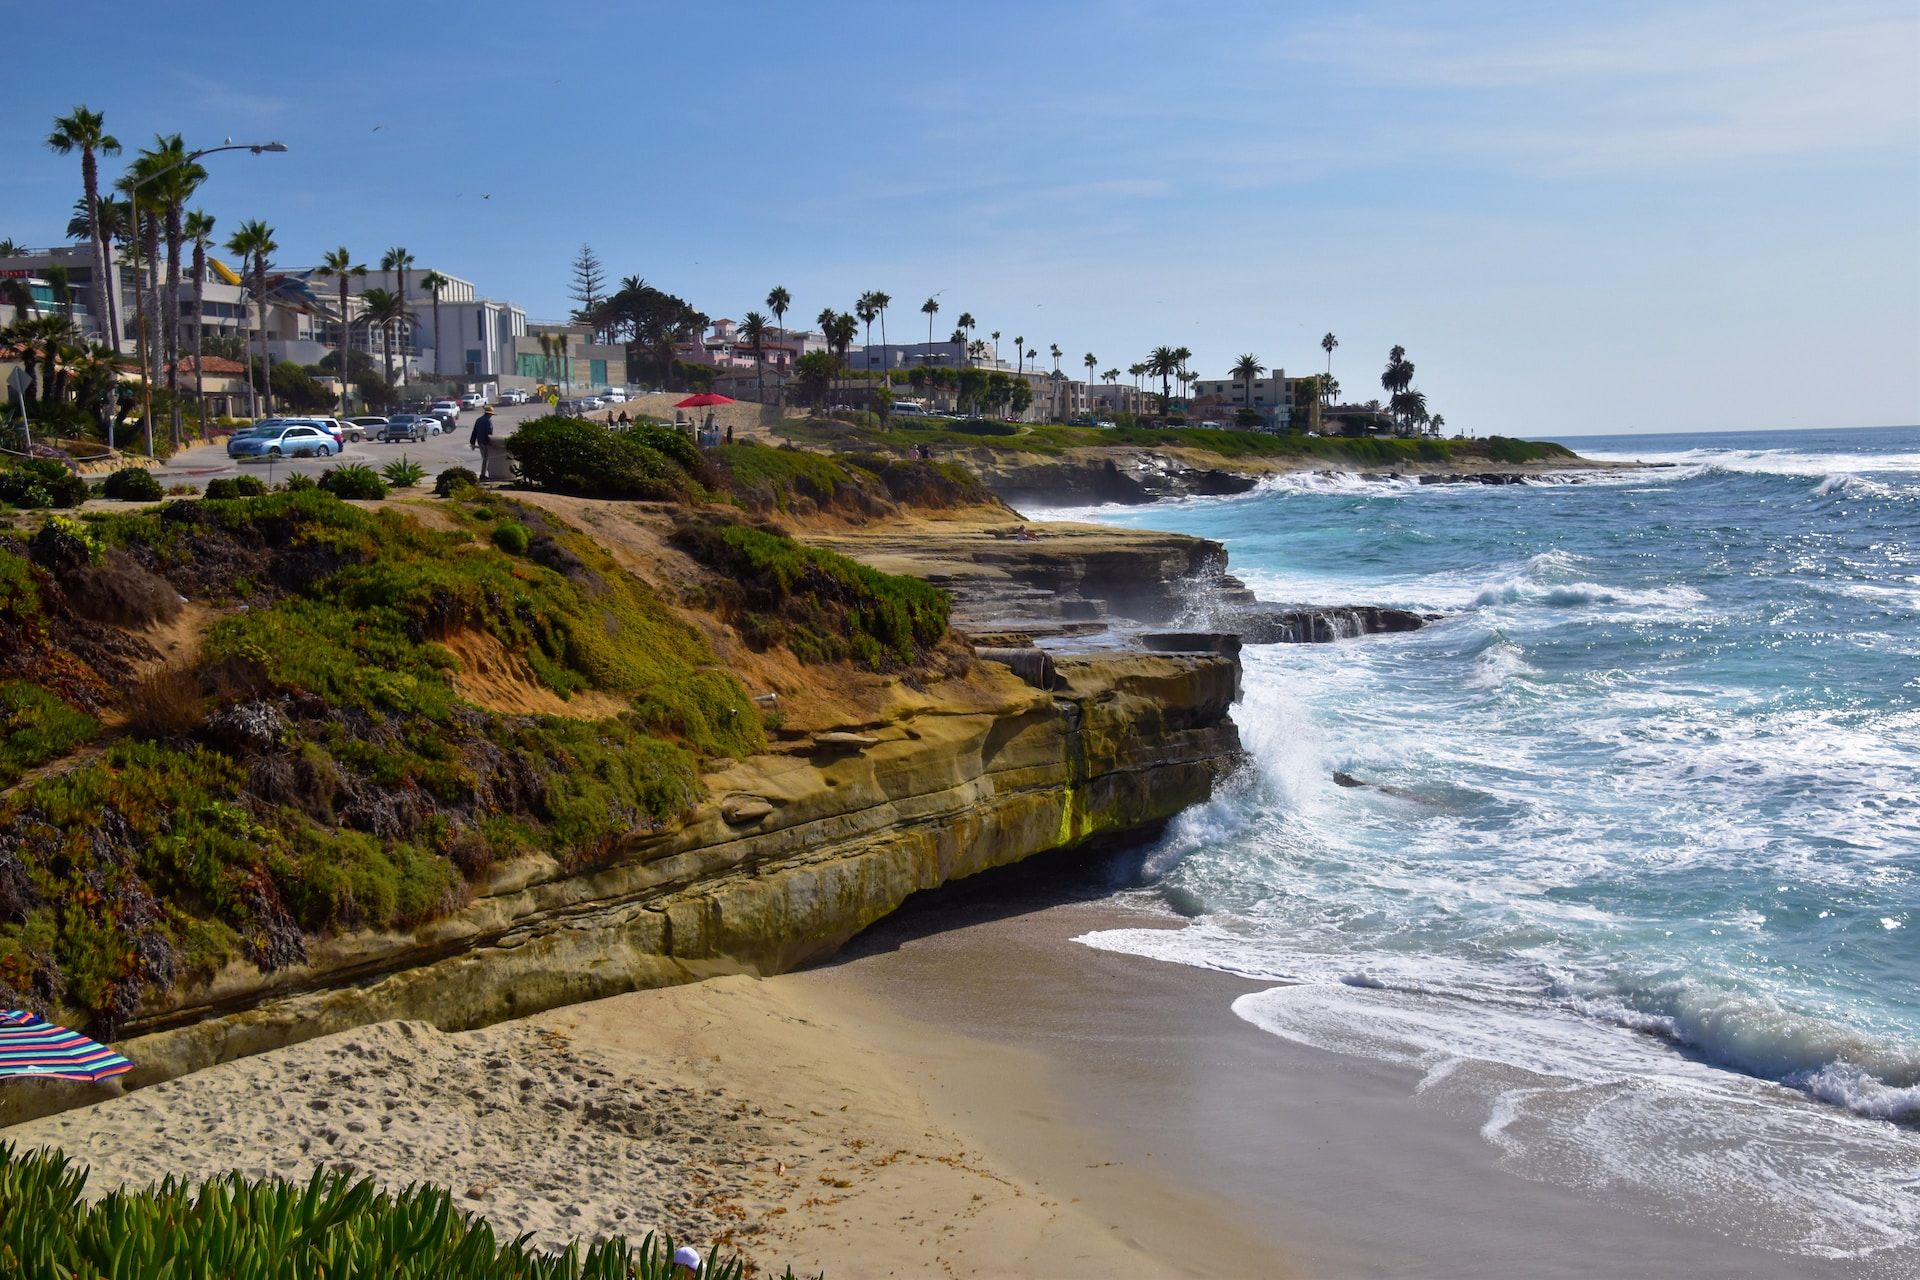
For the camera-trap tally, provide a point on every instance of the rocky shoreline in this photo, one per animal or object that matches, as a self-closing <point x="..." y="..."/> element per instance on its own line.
<point x="1136" y="476"/>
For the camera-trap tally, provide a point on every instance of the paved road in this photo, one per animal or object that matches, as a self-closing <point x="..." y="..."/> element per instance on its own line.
<point x="206" y="462"/>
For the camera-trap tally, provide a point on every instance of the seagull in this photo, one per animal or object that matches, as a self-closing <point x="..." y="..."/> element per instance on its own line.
<point x="377" y="128"/>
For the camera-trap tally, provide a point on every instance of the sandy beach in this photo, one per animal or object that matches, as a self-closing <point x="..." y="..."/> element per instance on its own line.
<point x="964" y="1092"/>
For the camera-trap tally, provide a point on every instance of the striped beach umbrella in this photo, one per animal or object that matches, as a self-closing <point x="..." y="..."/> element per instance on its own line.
<point x="32" y="1046"/>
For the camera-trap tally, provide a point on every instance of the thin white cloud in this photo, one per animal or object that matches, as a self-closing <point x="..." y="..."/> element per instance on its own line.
<point x="1702" y="86"/>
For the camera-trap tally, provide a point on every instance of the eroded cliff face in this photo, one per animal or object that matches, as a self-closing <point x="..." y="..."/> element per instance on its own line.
<point x="791" y="854"/>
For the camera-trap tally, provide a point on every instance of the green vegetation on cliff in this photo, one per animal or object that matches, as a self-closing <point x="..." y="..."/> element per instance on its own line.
<point x="823" y="607"/>
<point x="242" y="1229"/>
<point x="314" y="764"/>
<point x="650" y="461"/>
<point x="1046" y="439"/>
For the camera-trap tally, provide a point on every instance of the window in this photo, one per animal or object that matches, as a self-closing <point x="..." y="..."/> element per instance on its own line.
<point x="599" y="374"/>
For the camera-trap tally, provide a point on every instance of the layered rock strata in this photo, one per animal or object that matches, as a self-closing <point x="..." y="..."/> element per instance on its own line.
<point x="789" y="856"/>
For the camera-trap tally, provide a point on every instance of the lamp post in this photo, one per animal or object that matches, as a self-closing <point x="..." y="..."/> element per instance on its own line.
<point x="133" y="194"/>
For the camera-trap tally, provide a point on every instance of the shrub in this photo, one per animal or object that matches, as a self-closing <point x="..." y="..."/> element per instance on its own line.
<point x="166" y="703"/>
<point x="453" y="480"/>
<point x="511" y="537"/>
<point x="571" y="455"/>
<point x="403" y="473"/>
<point x="132" y="484"/>
<point x="38" y="483"/>
<point x="121" y="591"/>
<point x="228" y="487"/>
<point x="353" y="480"/>
<point x="246" y="1229"/>
<point x="298" y="482"/>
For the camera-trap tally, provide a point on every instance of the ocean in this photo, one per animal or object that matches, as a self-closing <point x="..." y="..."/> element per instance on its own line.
<point x="1636" y="880"/>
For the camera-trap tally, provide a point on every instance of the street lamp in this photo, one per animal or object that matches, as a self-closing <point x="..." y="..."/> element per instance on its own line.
<point x="139" y="306"/>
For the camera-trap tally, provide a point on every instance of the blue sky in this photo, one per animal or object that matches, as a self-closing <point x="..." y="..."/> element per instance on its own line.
<point x="1577" y="218"/>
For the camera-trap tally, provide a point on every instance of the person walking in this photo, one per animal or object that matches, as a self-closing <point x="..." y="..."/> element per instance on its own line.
<point x="482" y="439"/>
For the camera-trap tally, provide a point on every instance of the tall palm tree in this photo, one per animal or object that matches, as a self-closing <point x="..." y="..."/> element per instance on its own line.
<point x="1396" y="378"/>
<point x="959" y="340"/>
<point x="754" y="329"/>
<point x="864" y="307"/>
<point x="1055" y="352"/>
<point x="881" y="301"/>
<point x="252" y="243"/>
<point x="1327" y="344"/>
<point x="995" y="335"/>
<point x="145" y="238"/>
<point x="339" y="265"/>
<point x="1089" y="360"/>
<point x="435" y="284"/>
<point x="86" y="132"/>
<point x="199" y="233"/>
<point x="778" y="300"/>
<point x="966" y="323"/>
<point x="1137" y="371"/>
<point x="1247" y="368"/>
<point x="1438" y="423"/>
<point x="930" y="308"/>
<point x="382" y="307"/>
<point x="396" y="262"/>
<point x="1163" y="363"/>
<point x="1019" y="355"/>
<point x="177" y="181"/>
<point x="61" y="286"/>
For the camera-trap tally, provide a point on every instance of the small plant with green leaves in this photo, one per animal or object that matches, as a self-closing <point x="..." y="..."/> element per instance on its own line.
<point x="39" y="483"/>
<point x="239" y="1228"/>
<point x="403" y="473"/>
<point x="511" y="537"/>
<point x="453" y="480"/>
<point x="132" y="484"/>
<point x="229" y="487"/>
<point x="353" y="480"/>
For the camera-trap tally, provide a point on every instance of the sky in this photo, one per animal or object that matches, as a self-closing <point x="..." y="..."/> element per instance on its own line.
<point x="1580" y="218"/>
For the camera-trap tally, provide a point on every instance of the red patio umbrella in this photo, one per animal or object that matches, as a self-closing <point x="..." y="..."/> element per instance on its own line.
<point x="703" y="400"/>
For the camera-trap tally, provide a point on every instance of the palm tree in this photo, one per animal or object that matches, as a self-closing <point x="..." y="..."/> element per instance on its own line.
<point x="340" y="265"/>
<point x="383" y="308"/>
<point x="1248" y="367"/>
<point x="1397" y="377"/>
<point x="966" y="323"/>
<point x="61" y="286"/>
<point x="252" y="243"/>
<point x="1327" y="344"/>
<point x="145" y="238"/>
<point x="86" y="132"/>
<point x="864" y="308"/>
<point x="199" y="232"/>
<point x="995" y="335"/>
<point x="435" y="284"/>
<point x="881" y="301"/>
<point x="1163" y="364"/>
<point x="930" y="308"/>
<point x="396" y="262"/>
<point x="1438" y="423"/>
<point x="11" y="248"/>
<point x="1089" y="360"/>
<point x="1019" y="356"/>
<point x="754" y="329"/>
<point x="175" y="184"/>
<point x="1055" y="351"/>
<point x="778" y="300"/>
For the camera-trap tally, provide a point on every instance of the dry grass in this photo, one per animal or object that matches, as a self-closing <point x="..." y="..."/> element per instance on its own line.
<point x="166" y="703"/>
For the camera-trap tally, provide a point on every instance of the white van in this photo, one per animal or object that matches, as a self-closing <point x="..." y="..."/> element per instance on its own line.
<point x="614" y="395"/>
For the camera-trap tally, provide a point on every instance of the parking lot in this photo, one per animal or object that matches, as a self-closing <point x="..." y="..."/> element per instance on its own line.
<point x="206" y="462"/>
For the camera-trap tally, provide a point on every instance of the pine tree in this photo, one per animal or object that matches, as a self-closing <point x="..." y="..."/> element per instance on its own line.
<point x="589" y="281"/>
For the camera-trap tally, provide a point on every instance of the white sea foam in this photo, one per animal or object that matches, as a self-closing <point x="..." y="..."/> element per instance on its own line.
<point x="1567" y="1100"/>
<point x="1779" y="462"/>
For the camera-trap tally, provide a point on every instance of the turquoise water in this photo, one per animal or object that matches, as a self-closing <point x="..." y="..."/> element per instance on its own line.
<point x="1640" y="886"/>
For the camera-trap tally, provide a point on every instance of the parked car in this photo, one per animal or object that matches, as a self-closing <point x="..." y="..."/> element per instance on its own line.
<point x="287" y="440"/>
<point x="369" y="423"/>
<point x="448" y="411"/>
<point x="514" y="395"/>
<point x="614" y="395"/>
<point x="412" y="427"/>
<point x="908" y="406"/>
<point x="473" y="400"/>
<point x="345" y="432"/>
